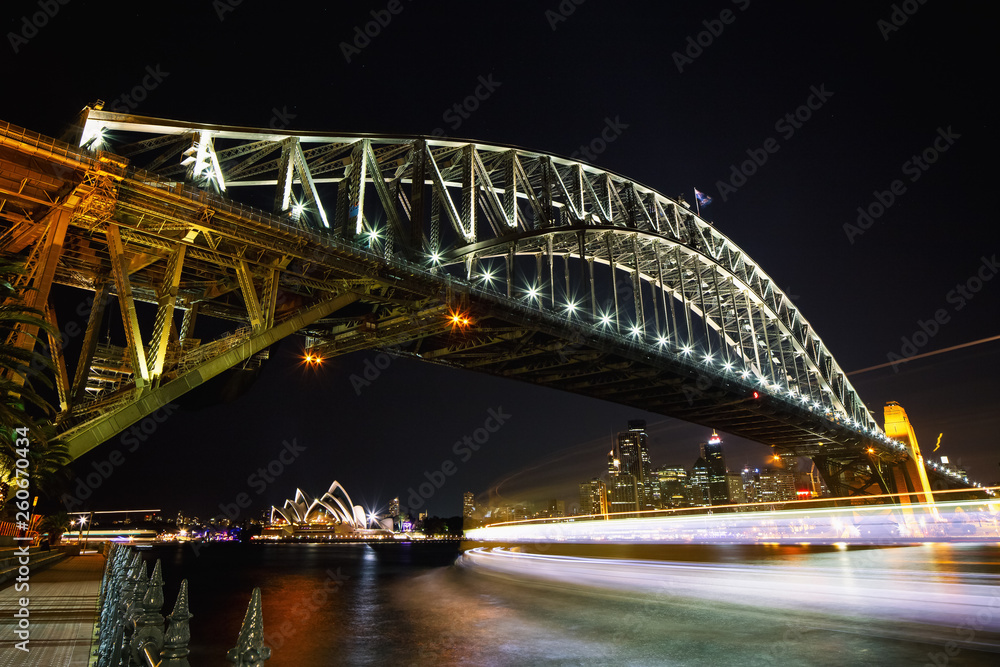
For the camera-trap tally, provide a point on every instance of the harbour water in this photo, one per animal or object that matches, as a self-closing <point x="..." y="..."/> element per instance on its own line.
<point x="426" y="604"/>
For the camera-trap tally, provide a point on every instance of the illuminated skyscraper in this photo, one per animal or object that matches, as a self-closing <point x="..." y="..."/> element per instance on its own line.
<point x="674" y="486"/>
<point x="700" y="495"/>
<point x="715" y="463"/>
<point x="623" y="494"/>
<point x="632" y="453"/>
<point x="594" y="497"/>
<point x="468" y="504"/>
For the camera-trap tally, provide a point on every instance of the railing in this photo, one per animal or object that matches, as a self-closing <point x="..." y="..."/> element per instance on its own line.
<point x="131" y="627"/>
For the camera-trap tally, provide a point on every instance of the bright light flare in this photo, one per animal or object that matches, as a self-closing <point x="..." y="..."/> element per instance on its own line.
<point x="459" y="319"/>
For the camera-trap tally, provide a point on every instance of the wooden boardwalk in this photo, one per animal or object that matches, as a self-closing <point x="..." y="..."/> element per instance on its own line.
<point x="63" y="609"/>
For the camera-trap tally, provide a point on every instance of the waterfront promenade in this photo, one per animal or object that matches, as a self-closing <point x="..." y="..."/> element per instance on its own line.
<point x="63" y="608"/>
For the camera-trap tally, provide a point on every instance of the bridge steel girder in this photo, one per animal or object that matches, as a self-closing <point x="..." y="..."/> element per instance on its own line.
<point x="84" y="437"/>
<point x="736" y="328"/>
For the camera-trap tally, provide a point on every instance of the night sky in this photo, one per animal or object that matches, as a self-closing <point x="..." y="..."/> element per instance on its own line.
<point x="684" y="114"/>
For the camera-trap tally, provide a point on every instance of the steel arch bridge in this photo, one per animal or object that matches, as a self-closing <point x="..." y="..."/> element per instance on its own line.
<point x="491" y="258"/>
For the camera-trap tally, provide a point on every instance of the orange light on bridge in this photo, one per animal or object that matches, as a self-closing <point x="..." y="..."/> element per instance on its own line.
<point x="871" y="450"/>
<point x="459" y="319"/>
<point x="312" y="359"/>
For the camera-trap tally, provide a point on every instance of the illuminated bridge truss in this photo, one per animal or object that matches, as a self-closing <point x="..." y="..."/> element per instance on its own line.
<point x="485" y="257"/>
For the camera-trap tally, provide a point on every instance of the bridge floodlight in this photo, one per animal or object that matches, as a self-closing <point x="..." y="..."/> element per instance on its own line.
<point x="686" y="349"/>
<point x="435" y="257"/>
<point x="662" y="341"/>
<point x="605" y="319"/>
<point x="571" y="307"/>
<point x="635" y="331"/>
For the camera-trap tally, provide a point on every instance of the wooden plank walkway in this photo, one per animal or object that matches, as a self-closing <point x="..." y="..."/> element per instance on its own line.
<point x="63" y="608"/>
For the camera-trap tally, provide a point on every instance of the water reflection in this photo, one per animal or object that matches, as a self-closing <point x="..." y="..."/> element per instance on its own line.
<point x="710" y="605"/>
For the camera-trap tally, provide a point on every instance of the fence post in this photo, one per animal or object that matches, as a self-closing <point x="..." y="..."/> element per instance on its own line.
<point x="250" y="650"/>
<point x="147" y="636"/>
<point x="175" y="644"/>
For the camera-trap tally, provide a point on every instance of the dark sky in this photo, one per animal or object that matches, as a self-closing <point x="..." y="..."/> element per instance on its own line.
<point x="888" y="93"/>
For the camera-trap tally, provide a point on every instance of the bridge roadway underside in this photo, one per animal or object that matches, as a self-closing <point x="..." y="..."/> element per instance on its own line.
<point x="533" y="347"/>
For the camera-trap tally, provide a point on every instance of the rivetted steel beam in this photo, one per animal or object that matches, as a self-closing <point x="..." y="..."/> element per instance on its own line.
<point x="165" y="312"/>
<point x="58" y="359"/>
<point x="127" y="306"/>
<point x="90" y="339"/>
<point x="249" y="292"/>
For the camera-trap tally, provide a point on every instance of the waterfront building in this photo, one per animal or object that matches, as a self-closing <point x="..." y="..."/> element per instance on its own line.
<point x="333" y="514"/>
<point x="468" y="505"/>
<point x="775" y="485"/>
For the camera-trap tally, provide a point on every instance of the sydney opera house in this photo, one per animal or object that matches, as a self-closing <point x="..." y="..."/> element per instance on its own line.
<point x="333" y="515"/>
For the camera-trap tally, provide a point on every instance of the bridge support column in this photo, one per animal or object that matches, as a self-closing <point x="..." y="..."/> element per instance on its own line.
<point x="41" y="271"/>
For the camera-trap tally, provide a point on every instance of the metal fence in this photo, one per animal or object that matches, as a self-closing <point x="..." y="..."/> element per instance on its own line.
<point x="132" y="631"/>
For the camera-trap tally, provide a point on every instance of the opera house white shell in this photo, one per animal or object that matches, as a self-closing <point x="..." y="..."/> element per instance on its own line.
<point x="335" y="506"/>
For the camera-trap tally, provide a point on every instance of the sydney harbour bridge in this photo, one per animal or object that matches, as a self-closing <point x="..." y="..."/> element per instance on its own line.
<point x="485" y="257"/>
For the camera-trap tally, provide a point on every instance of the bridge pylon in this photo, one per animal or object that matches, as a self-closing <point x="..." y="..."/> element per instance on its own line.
<point x="910" y="474"/>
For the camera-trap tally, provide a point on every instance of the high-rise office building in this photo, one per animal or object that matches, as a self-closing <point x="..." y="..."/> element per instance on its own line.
<point x="594" y="497"/>
<point x="715" y="463"/>
<point x="775" y="485"/>
<point x="468" y="504"/>
<point x="623" y="495"/>
<point x="734" y="485"/>
<point x="674" y="486"/>
<point x="632" y="452"/>
<point x="700" y="493"/>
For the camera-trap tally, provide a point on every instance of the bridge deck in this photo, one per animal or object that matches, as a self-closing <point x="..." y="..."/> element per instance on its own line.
<point x="63" y="608"/>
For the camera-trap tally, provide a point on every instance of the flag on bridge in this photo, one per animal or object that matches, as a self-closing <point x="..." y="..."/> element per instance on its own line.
<point x="702" y="198"/>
